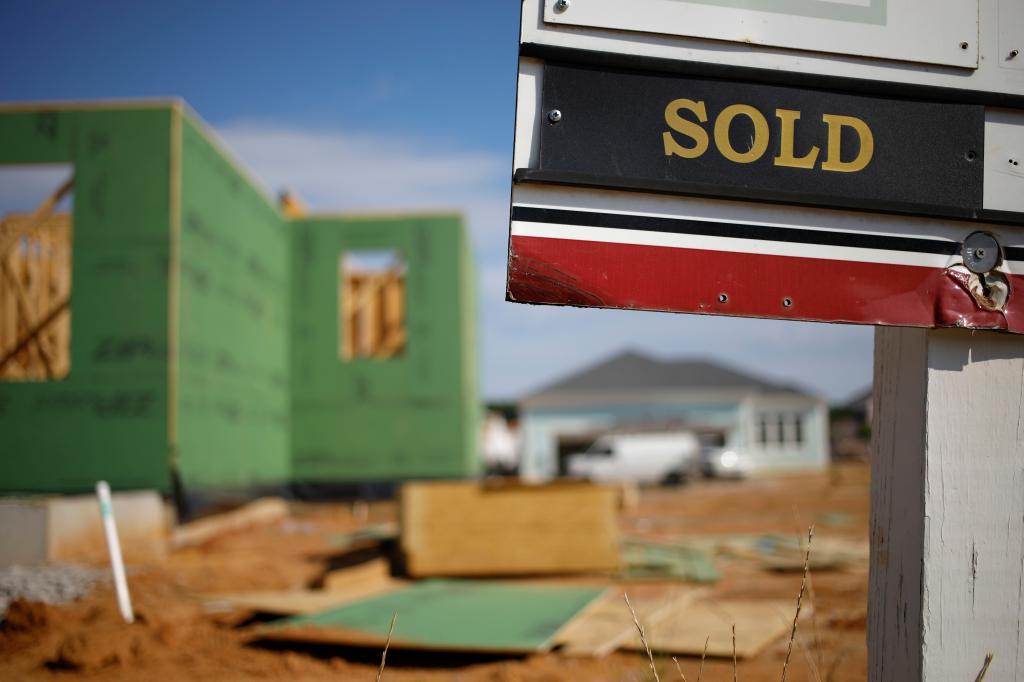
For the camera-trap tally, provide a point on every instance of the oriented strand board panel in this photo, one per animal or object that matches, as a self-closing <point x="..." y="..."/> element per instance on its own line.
<point x="295" y="602"/>
<point x="412" y="415"/>
<point x="108" y="417"/>
<point x="233" y="325"/>
<point x="684" y="631"/>
<point x="466" y="528"/>
<point x="449" y="615"/>
<point x="608" y="623"/>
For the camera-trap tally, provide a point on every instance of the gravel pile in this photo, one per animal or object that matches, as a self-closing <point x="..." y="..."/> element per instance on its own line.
<point x="49" y="584"/>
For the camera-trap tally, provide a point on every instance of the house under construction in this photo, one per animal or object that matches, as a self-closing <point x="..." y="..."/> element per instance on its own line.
<point x="175" y="327"/>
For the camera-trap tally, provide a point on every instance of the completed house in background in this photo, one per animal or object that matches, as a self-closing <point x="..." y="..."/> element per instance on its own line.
<point x="779" y="427"/>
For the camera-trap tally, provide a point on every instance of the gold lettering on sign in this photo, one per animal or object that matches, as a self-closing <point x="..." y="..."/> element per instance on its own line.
<point x="759" y="140"/>
<point x="786" y="157"/>
<point x="688" y="128"/>
<point x="758" y="144"/>
<point x="833" y="161"/>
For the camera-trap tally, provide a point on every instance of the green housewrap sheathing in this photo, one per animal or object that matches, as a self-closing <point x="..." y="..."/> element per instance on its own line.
<point x="233" y="375"/>
<point x="108" y="417"/>
<point x="192" y="348"/>
<point x="412" y="415"/>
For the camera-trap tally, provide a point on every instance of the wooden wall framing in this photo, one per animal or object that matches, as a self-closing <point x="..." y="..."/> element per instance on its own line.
<point x="372" y="319"/>
<point x="35" y="292"/>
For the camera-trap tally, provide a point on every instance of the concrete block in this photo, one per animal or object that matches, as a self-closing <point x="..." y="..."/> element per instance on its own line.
<point x="69" y="529"/>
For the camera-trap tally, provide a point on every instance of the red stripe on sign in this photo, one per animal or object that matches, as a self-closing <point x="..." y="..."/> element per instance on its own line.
<point x="608" y="275"/>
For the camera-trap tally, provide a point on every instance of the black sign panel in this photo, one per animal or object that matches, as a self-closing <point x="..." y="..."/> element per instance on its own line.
<point x="622" y="129"/>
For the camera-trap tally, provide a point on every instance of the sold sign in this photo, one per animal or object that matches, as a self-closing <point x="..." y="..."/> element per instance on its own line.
<point x="788" y="118"/>
<point x="729" y="139"/>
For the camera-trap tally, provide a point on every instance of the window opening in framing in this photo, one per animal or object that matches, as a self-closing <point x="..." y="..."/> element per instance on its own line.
<point x="372" y="308"/>
<point x="35" y="273"/>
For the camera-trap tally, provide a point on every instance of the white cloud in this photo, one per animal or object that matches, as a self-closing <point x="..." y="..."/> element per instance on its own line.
<point x="526" y="346"/>
<point x="332" y="170"/>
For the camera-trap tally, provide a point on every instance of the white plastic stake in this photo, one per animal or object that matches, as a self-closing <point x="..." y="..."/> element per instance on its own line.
<point x="124" y="600"/>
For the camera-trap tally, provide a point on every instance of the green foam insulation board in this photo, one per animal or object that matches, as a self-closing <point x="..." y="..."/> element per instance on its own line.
<point x="450" y="615"/>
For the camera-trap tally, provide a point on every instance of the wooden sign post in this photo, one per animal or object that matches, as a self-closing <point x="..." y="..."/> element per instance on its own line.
<point x="947" y="505"/>
<point x="857" y="161"/>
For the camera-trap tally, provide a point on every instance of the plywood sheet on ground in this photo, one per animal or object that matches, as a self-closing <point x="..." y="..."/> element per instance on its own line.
<point x="607" y="623"/>
<point x="282" y="603"/>
<point x="469" y="529"/>
<point x="364" y="577"/>
<point x="341" y="586"/>
<point x="684" y="630"/>
<point x="448" y="615"/>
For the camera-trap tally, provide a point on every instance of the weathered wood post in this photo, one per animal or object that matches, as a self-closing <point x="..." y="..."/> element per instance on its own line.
<point x="947" y="505"/>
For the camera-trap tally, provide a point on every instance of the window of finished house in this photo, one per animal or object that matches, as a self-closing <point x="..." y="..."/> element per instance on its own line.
<point x="371" y="301"/>
<point x="780" y="429"/>
<point x="35" y="272"/>
<point x="795" y="429"/>
<point x="762" y="429"/>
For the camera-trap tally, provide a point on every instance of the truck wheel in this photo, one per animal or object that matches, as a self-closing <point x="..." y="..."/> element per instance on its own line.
<point x="674" y="478"/>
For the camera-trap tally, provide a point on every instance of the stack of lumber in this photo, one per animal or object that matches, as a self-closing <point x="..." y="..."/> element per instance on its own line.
<point x="473" y="529"/>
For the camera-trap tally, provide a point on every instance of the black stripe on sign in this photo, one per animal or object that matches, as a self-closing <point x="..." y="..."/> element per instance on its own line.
<point x="559" y="216"/>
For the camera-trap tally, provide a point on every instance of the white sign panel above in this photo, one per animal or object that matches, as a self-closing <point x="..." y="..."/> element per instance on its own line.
<point x="926" y="31"/>
<point x="972" y="48"/>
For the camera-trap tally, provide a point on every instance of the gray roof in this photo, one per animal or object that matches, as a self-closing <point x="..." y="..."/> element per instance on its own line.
<point x="635" y="371"/>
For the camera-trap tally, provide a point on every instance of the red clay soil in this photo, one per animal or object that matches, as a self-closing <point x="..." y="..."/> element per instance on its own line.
<point x="174" y="638"/>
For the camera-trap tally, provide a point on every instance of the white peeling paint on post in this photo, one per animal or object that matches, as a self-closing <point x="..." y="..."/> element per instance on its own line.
<point x="947" y="515"/>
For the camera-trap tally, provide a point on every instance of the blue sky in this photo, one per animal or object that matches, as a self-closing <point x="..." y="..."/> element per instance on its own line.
<point x="384" y="106"/>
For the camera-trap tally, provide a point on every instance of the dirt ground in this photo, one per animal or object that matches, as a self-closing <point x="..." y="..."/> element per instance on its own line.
<point x="175" y="638"/>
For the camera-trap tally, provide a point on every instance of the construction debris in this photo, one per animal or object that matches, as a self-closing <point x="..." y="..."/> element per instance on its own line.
<point x="368" y="535"/>
<point x="291" y="602"/>
<point x="259" y="512"/>
<point x="786" y="554"/>
<point x="650" y="560"/>
<point x="447" y="615"/>
<point x="473" y="529"/>
<point x="684" y="631"/>
<point x="606" y="624"/>
<point x="363" y="577"/>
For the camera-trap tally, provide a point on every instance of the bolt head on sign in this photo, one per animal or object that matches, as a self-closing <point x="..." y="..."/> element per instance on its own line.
<point x="823" y="169"/>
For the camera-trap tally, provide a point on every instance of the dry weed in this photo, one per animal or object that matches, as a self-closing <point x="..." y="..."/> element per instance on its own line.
<point x="387" y="643"/>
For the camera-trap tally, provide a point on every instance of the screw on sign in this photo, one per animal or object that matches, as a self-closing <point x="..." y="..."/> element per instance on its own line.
<point x="839" y="165"/>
